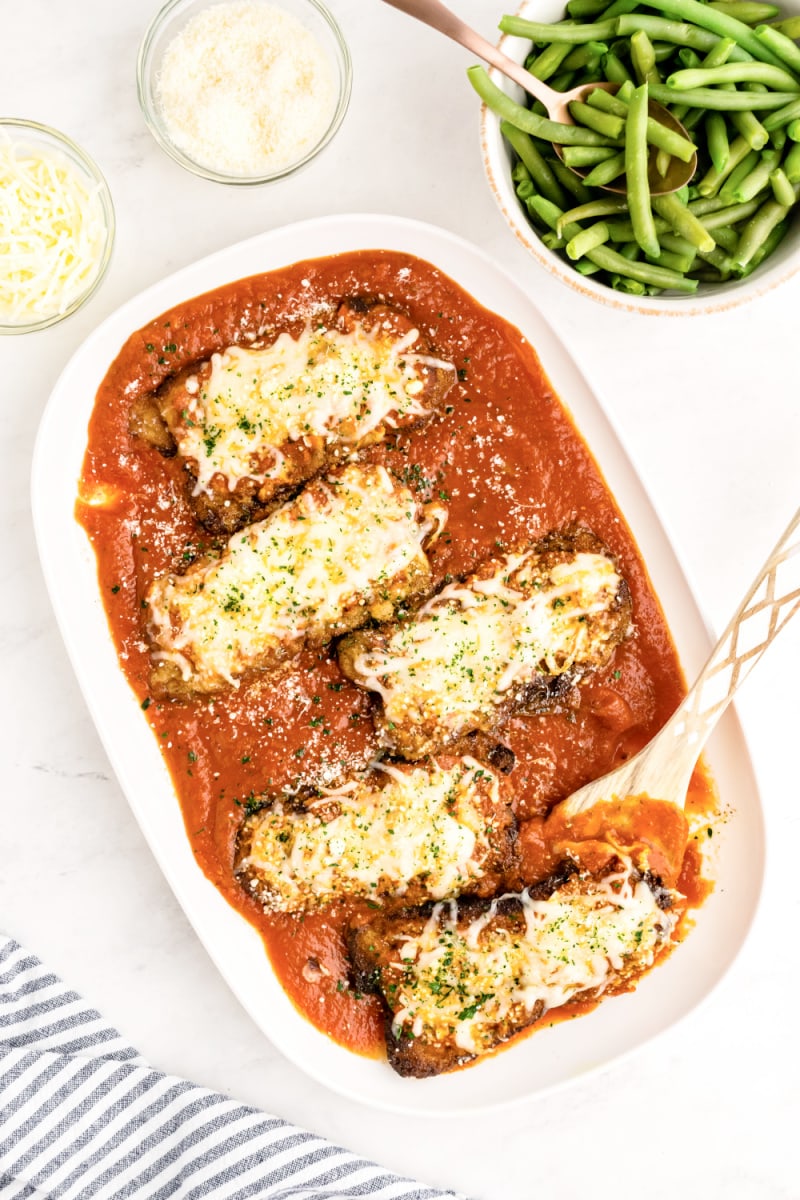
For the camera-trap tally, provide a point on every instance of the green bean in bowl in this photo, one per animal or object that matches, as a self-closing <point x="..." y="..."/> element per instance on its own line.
<point x="729" y="72"/>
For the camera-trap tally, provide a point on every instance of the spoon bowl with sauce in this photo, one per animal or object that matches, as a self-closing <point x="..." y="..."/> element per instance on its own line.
<point x="557" y="104"/>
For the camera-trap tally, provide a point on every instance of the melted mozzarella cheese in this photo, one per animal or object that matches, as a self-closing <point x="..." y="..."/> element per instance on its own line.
<point x="323" y="384"/>
<point x="424" y="822"/>
<point x="472" y="643"/>
<point x="52" y="233"/>
<point x="465" y="982"/>
<point x="338" y="543"/>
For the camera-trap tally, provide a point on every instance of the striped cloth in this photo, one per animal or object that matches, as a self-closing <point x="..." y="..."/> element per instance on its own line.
<point x="83" y="1116"/>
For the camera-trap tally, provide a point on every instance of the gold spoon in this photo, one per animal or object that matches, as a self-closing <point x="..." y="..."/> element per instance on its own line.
<point x="435" y="14"/>
<point x="663" y="769"/>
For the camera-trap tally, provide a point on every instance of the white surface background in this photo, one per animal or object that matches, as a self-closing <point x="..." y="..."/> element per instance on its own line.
<point x="710" y="409"/>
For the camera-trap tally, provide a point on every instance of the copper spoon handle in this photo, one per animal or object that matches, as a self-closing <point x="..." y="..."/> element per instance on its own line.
<point x="663" y="769"/>
<point x="435" y="14"/>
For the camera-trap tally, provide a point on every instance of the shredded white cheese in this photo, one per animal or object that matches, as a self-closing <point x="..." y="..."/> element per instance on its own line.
<point x="52" y="233"/>
<point x="245" y="89"/>
<point x="341" y="542"/>
<point x="425" y="823"/>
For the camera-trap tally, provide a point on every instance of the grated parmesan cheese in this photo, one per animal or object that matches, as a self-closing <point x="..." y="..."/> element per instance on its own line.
<point x="52" y="233"/>
<point x="245" y="89"/>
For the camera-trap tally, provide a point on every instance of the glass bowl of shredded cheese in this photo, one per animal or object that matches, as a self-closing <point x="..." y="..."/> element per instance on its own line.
<point x="56" y="226"/>
<point x="243" y="91"/>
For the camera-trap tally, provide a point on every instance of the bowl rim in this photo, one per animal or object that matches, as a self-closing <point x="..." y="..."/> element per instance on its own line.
<point x="728" y="296"/>
<point x="84" y="161"/>
<point x="144" y="91"/>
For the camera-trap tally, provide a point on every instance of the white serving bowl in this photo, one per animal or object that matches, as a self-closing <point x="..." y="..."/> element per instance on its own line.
<point x="498" y="159"/>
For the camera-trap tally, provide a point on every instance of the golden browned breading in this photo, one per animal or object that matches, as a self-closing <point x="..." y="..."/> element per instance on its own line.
<point x="516" y="635"/>
<point x="348" y="548"/>
<point x="418" y="832"/>
<point x="256" y="422"/>
<point x="458" y="978"/>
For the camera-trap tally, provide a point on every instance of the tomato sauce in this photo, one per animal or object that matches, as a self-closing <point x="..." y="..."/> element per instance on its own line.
<point x="505" y="458"/>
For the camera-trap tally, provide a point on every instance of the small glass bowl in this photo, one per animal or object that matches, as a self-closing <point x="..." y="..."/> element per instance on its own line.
<point x="169" y="22"/>
<point x="32" y="135"/>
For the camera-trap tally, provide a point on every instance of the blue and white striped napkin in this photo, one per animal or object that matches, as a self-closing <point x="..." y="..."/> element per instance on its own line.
<point x="82" y="1116"/>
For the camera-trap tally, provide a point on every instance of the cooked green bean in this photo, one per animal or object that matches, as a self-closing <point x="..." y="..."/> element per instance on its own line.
<point x="587" y="55"/>
<point x="675" y="262"/>
<point x="727" y="193"/>
<point x="559" y="32"/>
<point x="643" y="58"/>
<point x="676" y="244"/>
<point x="615" y="69"/>
<point x="570" y="182"/>
<point x="606" y="172"/>
<point x="593" y="8"/>
<point x="732" y="72"/>
<point x="611" y="260"/>
<point x="717" y="140"/>
<point x="773" y="239"/>
<point x="552" y="131"/>
<point x="758" y="230"/>
<point x="726" y="237"/>
<point x="719" y="23"/>
<point x="782" y="190"/>
<point x="688" y="58"/>
<point x="680" y="33"/>
<point x="552" y="241"/>
<point x="684" y="222"/>
<point x="720" y="53"/>
<point x="748" y="11"/>
<point x="717" y="100"/>
<point x="791" y="164"/>
<point x="758" y="179"/>
<point x="595" y="208"/>
<point x="671" y="260"/>
<point x="587" y="156"/>
<point x="550" y="60"/>
<point x="729" y="215"/>
<point x="539" y="171"/>
<point x="781" y="45"/>
<point x="585" y="267"/>
<point x="713" y="180"/>
<point x="783" y="116"/>
<point x="588" y="239"/>
<point x="751" y="129"/>
<point x="793" y="130"/>
<point x="638" y="188"/>
<point x="592" y="118"/>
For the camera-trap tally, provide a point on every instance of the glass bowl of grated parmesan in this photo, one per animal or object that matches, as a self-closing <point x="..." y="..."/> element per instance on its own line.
<point x="56" y="226"/>
<point x="243" y="91"/>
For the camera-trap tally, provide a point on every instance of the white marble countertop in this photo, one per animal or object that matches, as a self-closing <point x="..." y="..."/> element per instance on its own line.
<point x="710" y="409"/>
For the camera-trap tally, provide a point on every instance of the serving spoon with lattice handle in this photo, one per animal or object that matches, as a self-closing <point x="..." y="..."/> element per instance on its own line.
<point x="439" y="17"/>
<point x="663" y="769"/>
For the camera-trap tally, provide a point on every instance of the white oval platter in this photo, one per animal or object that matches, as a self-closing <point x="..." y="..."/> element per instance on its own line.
<point x="550" y="1057"/>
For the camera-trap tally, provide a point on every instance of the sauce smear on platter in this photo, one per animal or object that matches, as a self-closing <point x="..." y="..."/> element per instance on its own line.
<point x="508" y="463"/>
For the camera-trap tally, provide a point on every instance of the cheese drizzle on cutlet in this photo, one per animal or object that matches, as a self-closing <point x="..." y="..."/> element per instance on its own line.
<point x="423" y="823"/>
<point x="463" y="983"/>
<point x="324" y="383"/>
<point x="473" y="643"/>
<point x="342" y="541"/>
